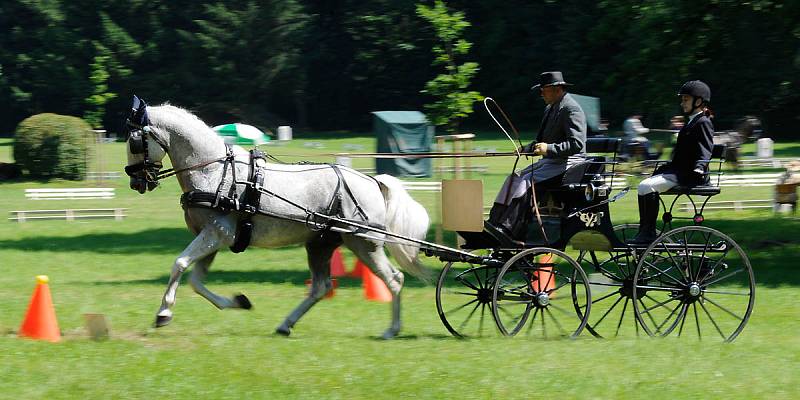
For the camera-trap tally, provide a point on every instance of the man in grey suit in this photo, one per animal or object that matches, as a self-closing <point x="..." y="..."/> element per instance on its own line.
<point x="561" y="142"/>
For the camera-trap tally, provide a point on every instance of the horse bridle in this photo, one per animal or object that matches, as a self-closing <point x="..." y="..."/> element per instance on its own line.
<point x="139" y="130"/>
<point x="137" y="125"/>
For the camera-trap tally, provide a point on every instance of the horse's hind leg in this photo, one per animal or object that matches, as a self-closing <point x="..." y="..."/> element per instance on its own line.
<point x="207" y="242"/>
<point x="199" y="272"/>
<point x="375" y="258"/>
<point x="319" y="252"/>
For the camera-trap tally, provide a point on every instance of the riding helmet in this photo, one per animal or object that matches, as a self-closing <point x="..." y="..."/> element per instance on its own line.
<point x="696" y="89"/>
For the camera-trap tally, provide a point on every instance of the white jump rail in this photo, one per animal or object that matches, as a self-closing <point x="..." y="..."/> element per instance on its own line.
<point x="423" y="186"/>
<point x="69" y="193"/>
<point x="765" y="162"/>
<point x="767" y="179"/>
<point x="103" y="175"/>
<point x="735" y="205"/>
<point x="472" y="168"/>
<point x="68" y="214"/>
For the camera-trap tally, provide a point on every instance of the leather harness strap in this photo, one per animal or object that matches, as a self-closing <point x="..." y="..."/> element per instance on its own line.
<point x="343" y="182"/>
<point x="250" y="201"/>
<point x="252" y="197"/>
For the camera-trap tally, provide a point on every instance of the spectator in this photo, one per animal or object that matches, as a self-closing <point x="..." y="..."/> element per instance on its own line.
<point x="635" y="143"/>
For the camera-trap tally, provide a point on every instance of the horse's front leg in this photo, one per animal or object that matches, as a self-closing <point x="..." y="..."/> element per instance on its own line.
<point x="207" y="242"/>
<point x="199" y="272"/>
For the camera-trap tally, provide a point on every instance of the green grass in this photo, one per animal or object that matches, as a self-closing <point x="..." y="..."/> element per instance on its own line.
<point x="120" y="268"/>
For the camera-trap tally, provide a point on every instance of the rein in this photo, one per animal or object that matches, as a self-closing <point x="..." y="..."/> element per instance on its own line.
<point x="153" y="174"/>
<point x="172" y="172"/>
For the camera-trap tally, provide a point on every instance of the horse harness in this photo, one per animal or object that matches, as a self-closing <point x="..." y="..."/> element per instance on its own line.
<point x="248" y="204"/>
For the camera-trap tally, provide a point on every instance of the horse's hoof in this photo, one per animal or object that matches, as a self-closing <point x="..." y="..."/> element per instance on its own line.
<point x="243" y="301"/>
<point x="162" y="320"/>
<point x="389" y="334"/>
<point x="283" y="331"/>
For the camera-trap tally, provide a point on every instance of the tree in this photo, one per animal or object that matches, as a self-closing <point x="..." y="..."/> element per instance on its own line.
<point x="100" y="95"/>
<point x="453" y="101"/>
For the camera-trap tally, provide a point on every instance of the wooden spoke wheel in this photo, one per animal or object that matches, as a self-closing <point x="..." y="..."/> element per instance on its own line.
<point x="610" y="275"/>
<point x="463" y="299"/>
<point x="537" y="294"/>
<point x="694" y="281"/>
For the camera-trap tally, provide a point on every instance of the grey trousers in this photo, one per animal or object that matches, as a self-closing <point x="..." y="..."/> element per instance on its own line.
<point x="520" y="181"/>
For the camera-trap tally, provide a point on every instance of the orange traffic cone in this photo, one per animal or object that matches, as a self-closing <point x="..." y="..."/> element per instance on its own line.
<point x="40" y="320"/>
<point x="374" y="288"/>
<point x="337" y="264"/>
<point x="543" y="278"/>
<point x="358" y="270"/>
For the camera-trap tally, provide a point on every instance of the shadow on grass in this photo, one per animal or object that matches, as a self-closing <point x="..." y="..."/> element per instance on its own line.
<point x="162" y="240"/>
<point x="790" y="151"/>
<point x="272" y="276"/>
<point x="771" y="243"/>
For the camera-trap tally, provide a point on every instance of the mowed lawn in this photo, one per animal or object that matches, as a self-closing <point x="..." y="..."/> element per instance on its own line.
<point x="120" y="269"/>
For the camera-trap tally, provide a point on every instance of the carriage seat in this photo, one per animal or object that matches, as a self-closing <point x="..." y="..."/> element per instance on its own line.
<point x="583" y="172"/>
<point x="703" y="190"/>
<point x="709" y="189"/>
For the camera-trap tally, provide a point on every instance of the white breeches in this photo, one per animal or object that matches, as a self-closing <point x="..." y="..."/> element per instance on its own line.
<point x="657" y="184"/>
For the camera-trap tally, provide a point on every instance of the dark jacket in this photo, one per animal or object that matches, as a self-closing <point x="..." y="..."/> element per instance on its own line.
<point x="692" y="152"/>
<point x="563" y="128"/>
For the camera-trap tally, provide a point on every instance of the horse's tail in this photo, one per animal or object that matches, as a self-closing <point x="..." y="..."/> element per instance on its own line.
<point x="406" y="217"/>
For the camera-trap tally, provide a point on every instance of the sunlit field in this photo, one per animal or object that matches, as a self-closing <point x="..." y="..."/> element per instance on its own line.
<point x="120" y="269"/>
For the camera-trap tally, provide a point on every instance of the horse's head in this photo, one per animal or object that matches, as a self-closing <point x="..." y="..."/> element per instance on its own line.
<point x="145" y="149"/>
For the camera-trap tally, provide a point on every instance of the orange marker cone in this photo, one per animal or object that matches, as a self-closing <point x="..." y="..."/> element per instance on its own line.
<point x="543" y="278"/>
<point x="40" y="320"/>
<point x="337" y="264"/>
<point x="374" y="288"/>
<point x="358" y="270"/>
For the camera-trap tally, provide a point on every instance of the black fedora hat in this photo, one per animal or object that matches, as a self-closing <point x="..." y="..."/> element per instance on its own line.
<point x="550" y="78"/>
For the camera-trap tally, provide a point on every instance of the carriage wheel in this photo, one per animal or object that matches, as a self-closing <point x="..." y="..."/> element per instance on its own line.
<point x="463" y="297"/>
<point x="537" y="292"/>
<point x="610" y="275"/>
<point x="694" y="280"/>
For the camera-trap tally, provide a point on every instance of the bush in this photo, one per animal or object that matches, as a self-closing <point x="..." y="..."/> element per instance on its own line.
<point x="52" y="146"/>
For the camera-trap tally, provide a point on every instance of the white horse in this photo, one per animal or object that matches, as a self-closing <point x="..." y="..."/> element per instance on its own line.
<point x="199" y="157"/>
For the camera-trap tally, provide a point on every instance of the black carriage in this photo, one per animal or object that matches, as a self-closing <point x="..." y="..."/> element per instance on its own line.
<point x="575" y="271"/>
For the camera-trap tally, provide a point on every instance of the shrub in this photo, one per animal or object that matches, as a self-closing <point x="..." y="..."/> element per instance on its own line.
<point x="52" y="146"/>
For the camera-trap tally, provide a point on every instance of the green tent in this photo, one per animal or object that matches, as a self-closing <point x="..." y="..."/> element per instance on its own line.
<point x="591" y="107"/>
<point x="403" y="132"/>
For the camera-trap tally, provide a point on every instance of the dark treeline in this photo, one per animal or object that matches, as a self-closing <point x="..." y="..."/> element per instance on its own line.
<point x="325" y="64"/>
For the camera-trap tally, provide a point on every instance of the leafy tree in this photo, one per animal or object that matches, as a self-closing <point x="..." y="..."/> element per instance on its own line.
<point x="453" y="100"/>
<point x="100" y="95"/>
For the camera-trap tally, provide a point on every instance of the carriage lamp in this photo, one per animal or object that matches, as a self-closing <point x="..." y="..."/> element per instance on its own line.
<point x="596" y="188"/>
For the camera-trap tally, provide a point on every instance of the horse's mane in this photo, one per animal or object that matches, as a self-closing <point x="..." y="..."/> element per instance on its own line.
<point x="176" y="119"/>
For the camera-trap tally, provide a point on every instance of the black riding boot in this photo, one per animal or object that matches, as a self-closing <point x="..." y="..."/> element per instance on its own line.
<point x="648" y="213"/>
